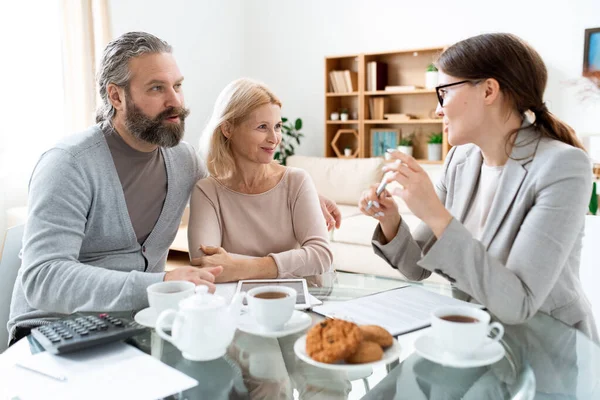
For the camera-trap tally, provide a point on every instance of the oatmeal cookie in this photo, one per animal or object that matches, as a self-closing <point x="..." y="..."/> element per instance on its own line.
<point x="332" y="340"/>
<point x="377" y="334"/>
<point x="366" y="352"/>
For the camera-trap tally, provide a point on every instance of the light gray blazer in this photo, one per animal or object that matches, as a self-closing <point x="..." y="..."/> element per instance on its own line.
<point x="528" y="257"/>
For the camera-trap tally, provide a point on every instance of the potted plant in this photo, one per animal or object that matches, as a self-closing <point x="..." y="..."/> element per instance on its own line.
<point x="348" y="151"/>
<point x="406" y="145"/>
<point x="290" y="136"/>
<point x="431" y="77"/>
<point x="434" y="147"/>
<point x="344" y="114"/>
<point x="334" y="116"/>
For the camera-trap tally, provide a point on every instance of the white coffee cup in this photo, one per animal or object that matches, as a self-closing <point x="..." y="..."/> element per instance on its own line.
<point x="463" y="330"/>
<point x="272" y="313"/>
<point x="167" y="295"/>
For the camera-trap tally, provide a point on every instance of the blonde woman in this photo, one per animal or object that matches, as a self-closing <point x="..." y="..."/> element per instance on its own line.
<point x="255" y="218"/>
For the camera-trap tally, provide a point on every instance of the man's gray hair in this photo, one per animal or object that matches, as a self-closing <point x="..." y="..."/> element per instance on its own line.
<point x="114" y="67"/>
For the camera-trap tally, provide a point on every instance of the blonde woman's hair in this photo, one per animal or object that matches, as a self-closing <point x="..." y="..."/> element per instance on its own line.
<point x="233" y="106"/>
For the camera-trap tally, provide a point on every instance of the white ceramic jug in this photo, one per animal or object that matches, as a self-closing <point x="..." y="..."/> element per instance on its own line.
<point x="204" y="325"/>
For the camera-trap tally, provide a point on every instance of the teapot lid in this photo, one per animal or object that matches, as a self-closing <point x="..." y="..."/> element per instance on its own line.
<point x="202" y="299"/>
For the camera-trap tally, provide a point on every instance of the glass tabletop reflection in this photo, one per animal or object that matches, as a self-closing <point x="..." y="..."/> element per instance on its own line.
<point x="545" y="359"/>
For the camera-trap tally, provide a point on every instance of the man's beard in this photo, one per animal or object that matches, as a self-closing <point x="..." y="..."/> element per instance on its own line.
<point x="156" y="130"/>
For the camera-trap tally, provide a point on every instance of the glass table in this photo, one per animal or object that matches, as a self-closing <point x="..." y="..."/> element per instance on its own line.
<point x="545" y="359"/>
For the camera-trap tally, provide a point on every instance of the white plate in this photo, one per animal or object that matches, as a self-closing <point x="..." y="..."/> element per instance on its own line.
<point x="148" y="317"/>
<point x="489" y="353"/>
<point x="390" y="354"/>
<point x="297" y="323"/>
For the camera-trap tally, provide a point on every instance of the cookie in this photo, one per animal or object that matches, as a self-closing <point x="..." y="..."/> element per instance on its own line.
<point x="332" y="340"/>
<point x="367" y="352"/>
<point x="377" y="334"/>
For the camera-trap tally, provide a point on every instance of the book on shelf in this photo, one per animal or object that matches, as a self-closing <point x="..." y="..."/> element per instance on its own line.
<point x="377" y="75"/>
<point x="402" y="88"/>
<point x="344" y="81"/>
<point x="400" y="117"/>
<point x="377" y="107"/>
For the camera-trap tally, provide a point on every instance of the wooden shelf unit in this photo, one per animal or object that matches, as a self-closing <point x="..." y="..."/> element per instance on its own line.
<point x="404" y="68"/>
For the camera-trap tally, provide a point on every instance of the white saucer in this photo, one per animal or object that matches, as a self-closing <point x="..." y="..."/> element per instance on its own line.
<point x="489" y="353"/>
<point x="390" y="354"/>
<point x="148" y="317"/>
<point x="297" y="323"/>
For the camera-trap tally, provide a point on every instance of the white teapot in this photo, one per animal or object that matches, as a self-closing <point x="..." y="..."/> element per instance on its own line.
<point x="204" y="325"/>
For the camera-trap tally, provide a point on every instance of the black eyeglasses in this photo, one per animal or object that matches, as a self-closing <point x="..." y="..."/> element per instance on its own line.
<point x="441" y="93"/>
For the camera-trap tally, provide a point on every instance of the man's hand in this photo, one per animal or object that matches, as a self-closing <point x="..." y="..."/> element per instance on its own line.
<point x="331" y="212"/>
<point x="205" y="276"/>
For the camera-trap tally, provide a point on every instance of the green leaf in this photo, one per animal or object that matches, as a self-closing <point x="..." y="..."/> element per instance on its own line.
<point x="284" y="119"/>
<point x="298" y="124"/>
<point x="288" y="152"/>
<point x="298" y="140"/>
<point x="277" y="155"/>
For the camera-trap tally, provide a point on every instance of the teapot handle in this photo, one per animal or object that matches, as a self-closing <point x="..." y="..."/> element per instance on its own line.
<point x="159" y="322"/>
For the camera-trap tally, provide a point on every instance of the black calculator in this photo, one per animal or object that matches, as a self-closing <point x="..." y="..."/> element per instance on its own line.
<point x="80" y="332"/>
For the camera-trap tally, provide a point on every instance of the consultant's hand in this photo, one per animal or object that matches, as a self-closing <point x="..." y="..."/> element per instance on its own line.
<point x="417" y="191"/>
<point x="217" y="256"/>
<point x="205" y="276"/>
<point x="383" y="208"/>
<point x="331" y="212"/>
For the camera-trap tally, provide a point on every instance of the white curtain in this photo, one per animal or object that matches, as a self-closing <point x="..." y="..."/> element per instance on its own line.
<point x="86" y="31"/>
<point x="49" y="63"/>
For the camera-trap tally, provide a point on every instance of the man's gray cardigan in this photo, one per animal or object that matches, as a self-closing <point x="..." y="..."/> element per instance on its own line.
<point x="80" y="252"/>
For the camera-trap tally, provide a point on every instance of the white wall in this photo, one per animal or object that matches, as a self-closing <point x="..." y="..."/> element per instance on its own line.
<point x="207" y="39"/>
<point x="31" y="97"/>
<point x="285" y="43"/>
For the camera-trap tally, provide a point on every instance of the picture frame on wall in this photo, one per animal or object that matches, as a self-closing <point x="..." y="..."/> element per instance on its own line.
<point x="383" y="139"/>
<point x="591" y="52"/>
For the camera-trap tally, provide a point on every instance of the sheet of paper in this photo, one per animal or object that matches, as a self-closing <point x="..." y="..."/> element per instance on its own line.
<point x="112" y="371"/>
<point x="398" y="311"/>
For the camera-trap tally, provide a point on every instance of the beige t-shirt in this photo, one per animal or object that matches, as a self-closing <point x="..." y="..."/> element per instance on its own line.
<point x="284" y="222"/>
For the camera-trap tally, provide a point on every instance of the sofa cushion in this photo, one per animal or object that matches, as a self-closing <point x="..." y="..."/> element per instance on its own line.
<point x="358" y="228"/>
<point x="348" y="211"/>
<point x="341" y="180"/>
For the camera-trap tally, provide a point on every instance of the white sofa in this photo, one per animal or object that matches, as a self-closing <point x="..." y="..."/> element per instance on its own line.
<point x="343" y="180"/>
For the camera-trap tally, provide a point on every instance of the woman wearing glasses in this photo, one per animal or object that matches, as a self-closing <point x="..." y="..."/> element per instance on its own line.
<point x="505" y="222"/>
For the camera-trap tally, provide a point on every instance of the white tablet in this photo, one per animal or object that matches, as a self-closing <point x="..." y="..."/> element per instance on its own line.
<point x="302" y="299"/>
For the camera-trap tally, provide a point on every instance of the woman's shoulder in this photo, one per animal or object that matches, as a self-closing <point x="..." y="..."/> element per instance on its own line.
<point x="208" y="186"/>
<point x="555" y="150"/>
<point x="555" y="161"/>
<point x="296" y="177"/>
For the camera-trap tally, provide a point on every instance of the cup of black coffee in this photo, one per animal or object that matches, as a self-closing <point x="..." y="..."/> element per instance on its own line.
<point x="462" y="330"/>
<point x="271" y="306"/>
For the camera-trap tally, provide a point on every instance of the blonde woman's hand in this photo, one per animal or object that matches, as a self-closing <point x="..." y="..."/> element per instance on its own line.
<point x="217" y="256"/>
<point x="331" y="212"/>
<point x="383" y="208"/>
<point x="417" y="191"/>
<point x="213" y="256"/>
